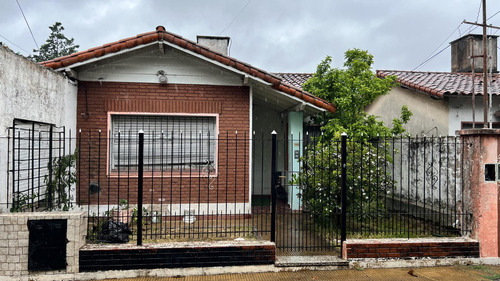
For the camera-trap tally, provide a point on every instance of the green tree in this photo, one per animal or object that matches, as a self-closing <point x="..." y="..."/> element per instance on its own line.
<point x="351" y="89"/>
<point x="57" y="45"/>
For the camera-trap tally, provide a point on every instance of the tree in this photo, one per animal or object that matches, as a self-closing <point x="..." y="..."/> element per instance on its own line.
<point x="57" y="45"/>
<point x="351" y="90"/>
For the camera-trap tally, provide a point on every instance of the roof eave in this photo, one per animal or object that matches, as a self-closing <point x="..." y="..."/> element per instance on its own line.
<point x="175" y="41"/>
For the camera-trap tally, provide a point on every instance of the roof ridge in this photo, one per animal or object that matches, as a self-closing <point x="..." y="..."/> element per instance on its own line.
<point x="160" y="34"/>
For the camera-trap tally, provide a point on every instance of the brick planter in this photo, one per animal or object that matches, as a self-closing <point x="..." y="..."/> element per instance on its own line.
<point x="98" y="257"/>
<point x="410" y="248"/>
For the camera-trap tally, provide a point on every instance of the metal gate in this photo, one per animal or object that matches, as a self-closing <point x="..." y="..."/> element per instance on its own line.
<point x="368" y="188"/>
<point x="307" y="220"/>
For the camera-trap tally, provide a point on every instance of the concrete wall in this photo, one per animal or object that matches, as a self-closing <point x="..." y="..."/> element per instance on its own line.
<point x="482" y="147"/>
<point x="30" y="91"/>
<point x="430" y="117"/>
<point x="460" y="109"/>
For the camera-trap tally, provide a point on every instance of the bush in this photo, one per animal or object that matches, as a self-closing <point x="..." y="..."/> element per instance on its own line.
<point x="368" y="178"/>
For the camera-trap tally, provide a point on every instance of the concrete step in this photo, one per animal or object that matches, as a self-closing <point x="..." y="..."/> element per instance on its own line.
<point x="295" y="261"/>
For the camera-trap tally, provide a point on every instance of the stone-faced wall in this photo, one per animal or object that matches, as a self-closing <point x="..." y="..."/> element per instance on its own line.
<point x="14" y="241"/>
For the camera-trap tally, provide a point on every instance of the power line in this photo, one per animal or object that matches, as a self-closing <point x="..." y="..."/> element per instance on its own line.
<point x="474" y="27"/>
<point x="430" y="58"/>
<point x="248" y="2"/>
<point x="27" y="24"/>
<point x="15" y="45"/>
<point x="479" y="10"/>
<point x="469" y="31"/>
<point x="432" y="55"/>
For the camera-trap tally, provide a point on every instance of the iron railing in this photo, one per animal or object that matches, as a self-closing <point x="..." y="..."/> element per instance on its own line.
<point x="392" y="187"/>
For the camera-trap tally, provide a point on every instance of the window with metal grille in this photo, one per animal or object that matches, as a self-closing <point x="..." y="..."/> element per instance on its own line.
<point x="171" y="142"/>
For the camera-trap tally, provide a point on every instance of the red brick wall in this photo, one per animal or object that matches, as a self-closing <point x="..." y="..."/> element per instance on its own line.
<point x="230" y="103"/>
<point x="409" y="249"/>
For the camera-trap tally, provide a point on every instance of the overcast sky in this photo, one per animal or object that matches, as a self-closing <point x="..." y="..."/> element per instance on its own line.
<point x="277" y="36"/>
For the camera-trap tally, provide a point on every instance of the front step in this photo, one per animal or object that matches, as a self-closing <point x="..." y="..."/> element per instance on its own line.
<point x="298" y="261"/>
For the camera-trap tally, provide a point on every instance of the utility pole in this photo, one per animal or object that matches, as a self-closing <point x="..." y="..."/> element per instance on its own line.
<point x="485" y="68"/>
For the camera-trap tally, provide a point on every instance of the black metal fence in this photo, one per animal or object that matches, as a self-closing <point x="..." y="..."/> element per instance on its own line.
<point x="207" y="186"/>
<point x="35" y="150"/>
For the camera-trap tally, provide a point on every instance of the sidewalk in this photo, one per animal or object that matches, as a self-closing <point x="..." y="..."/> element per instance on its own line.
<point x="457" y="272"/>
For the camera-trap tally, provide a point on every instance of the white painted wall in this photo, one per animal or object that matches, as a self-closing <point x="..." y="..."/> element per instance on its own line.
<point x="430" y="116"/>
<point x="30" y="91"/>
<point x="142" y="65"/>
<point x="460" y="109"/>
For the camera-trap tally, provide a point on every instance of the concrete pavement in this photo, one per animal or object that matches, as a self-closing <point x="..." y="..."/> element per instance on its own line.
<point x="452" y="273"/>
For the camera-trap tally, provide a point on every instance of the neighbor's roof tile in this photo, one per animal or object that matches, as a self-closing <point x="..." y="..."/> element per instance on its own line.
<point x="295" y="79"/>
<point x="440" y="84"/>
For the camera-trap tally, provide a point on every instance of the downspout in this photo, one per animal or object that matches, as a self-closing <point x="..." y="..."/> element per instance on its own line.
<point x="250" y="149"/>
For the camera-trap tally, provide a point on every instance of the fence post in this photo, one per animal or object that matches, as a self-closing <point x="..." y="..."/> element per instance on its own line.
<point x="273" y="187"/>
<point x="50" y="187"/>
<point x="140" y="187"/>
<point x="343" y="230"/>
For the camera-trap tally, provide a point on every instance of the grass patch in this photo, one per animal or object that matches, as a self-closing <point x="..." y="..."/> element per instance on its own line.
<point x="493" y="277"/>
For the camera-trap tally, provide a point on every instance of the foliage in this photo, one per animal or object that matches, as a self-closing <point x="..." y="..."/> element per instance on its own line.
<point x="23" y="202"/>
<point x="367" y="179"/>
<point x="351" y="90"/>
<point x="57" y="45"/>
<point x="59" y="185"/>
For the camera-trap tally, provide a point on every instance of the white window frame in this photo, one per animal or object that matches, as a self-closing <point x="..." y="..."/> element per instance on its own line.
<point x="192" y="157"/>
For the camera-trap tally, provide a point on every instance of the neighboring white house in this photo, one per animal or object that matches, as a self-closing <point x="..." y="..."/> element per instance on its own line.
<point x="441" y="102"/>
<point x="33" y="98"/>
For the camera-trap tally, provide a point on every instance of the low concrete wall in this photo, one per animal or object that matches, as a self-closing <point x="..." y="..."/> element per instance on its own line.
<point x="410" y="248"/>
<point x="14" y="241"/>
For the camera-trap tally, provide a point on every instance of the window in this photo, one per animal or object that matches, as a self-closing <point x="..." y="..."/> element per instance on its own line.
<point x="479" y="125"/>
<point x="172" y="143"/>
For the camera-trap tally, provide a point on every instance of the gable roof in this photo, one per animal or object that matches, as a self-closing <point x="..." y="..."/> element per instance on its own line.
<point x="439" y="84"/>
<point x="161" y="35"/>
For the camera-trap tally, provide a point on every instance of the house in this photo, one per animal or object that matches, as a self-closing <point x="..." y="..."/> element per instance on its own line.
<point x="36" y="104"/>
<point x="444" y="102"/>
<point x="202" y="112"/>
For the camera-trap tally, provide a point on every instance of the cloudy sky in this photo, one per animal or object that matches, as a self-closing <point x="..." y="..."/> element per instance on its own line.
<point x="275" y="35"/>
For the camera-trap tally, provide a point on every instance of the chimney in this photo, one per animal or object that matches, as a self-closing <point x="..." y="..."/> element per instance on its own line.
<point x="215" y="43"/>
<point x="461" y="51"/>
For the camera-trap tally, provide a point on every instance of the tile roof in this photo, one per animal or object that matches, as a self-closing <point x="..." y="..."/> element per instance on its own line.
<point x="295" y="79"/>
<point x="161" y="35"/>
<point x="440" y="84"/>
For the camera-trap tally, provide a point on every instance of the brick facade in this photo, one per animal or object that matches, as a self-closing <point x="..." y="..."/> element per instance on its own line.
<point x="229" y="103"/>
